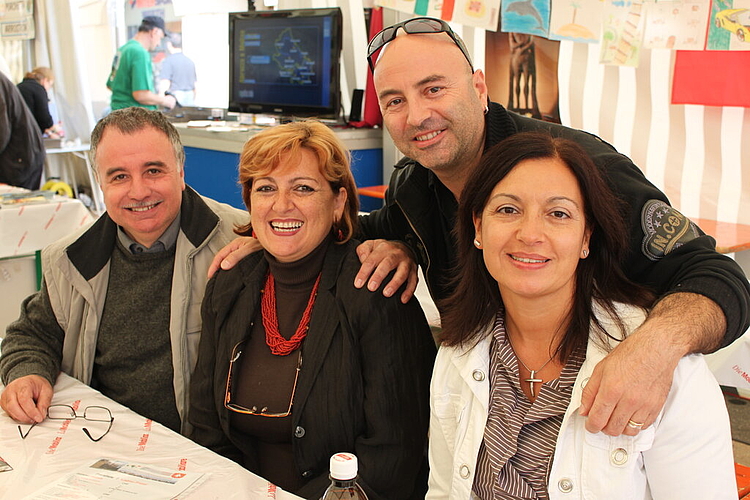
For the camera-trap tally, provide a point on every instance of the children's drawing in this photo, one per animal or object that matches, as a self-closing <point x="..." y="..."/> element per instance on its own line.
<point x="576" y="20"/>
<point x="677" y="25"/>
<point x="622" y="32"/>
<point x="526" y="16"/>
<point x="729" y="25"/>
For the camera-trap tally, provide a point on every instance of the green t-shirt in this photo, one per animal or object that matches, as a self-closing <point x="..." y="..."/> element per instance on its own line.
<point x="131" y="71"/>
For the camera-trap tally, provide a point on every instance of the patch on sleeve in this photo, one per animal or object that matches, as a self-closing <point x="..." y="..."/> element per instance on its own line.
<point x="664" y="229"/>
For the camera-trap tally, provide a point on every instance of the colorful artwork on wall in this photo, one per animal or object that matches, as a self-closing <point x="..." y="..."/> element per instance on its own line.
<point x="576" y="20"/>
<point x="526" y="16"/>
<point x="679" y="25"/>
<point x="729" y="25"/>
<point x="622" y="32"/>
<point x="477" y="13"/>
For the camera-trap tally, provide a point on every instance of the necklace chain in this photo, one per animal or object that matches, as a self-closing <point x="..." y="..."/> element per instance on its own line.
<point x="533" y="379"/>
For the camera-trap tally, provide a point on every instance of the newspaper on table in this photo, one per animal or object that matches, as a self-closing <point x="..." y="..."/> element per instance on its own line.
<point x="119" y="479"/>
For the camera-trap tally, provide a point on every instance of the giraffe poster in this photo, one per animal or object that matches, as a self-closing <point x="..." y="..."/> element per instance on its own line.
<point x="622" y="32"/>
<point x="526" y="16"/>
<point x="576" y="20"/>
<point x="514" y="86"/>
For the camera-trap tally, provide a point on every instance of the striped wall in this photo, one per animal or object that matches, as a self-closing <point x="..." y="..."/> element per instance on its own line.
<point x="698" y="155"/>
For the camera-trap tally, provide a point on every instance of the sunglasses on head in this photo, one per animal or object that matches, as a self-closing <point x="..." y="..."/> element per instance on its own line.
<point x="414" y="26"/>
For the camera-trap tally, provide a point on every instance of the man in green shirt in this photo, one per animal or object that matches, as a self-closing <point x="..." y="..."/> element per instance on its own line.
<point x="132" y="80"/>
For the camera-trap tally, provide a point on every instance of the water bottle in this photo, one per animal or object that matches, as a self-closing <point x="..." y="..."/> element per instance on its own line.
<point x="344" y="479"/>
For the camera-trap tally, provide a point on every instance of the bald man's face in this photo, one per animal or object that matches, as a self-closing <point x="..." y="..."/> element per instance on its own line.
<point x="432" y="104"/>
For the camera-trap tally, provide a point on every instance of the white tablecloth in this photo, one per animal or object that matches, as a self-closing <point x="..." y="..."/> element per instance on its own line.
<point x="30" y="227"/>
<point x="53" y="449"/>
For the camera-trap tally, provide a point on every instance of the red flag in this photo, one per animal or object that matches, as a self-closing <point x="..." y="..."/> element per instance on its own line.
<point x="371" y="115"/>
<point x="711" y="78"/>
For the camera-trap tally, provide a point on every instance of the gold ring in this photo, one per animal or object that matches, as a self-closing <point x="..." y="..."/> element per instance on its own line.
<point x="634" y="425"/>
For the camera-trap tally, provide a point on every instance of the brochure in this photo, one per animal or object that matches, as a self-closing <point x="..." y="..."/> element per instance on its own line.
<point x="119" y="479"/>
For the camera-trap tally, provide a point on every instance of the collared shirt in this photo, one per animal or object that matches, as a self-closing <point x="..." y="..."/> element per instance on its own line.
<point x="165" y="242"/>
<point x="520" y="436"/>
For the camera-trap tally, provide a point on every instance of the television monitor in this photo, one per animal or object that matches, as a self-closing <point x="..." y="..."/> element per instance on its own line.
<point x="285" y="62"/>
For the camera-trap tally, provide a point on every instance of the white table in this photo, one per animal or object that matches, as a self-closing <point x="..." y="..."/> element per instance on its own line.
<point x="25" y="229"/>
<point x="53" y="449"/>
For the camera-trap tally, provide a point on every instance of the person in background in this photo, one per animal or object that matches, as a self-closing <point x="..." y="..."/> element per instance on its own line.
<point x="119" y="305"/>
<point x="21" y="147"/>
<point x="539" y="299"/>
<point x="34" y="88"/>
<point x="295" y="363"/>
<point x="132" y="79"/>
<point x="177" y="75"/>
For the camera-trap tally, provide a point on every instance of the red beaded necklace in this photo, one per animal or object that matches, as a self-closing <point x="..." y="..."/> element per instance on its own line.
<point x="278" y="344"/>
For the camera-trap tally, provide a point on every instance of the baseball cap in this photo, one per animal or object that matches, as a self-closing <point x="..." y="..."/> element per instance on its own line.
<point x="151" y="22"/>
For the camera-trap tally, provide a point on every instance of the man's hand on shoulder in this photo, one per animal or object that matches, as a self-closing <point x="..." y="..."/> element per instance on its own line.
<point x="235" y="251"/>
<point x="631" y="384"/>
<point x="26" y="399"/>
<point x="380" y="257"/>
<point x="628" y="388"/>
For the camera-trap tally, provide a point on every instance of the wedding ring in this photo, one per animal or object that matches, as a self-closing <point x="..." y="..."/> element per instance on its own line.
<point x="635" y="425"/>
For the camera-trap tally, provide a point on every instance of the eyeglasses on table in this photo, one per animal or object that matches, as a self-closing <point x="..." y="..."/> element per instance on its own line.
<point x="417" y="25"/>
<point x="67" y="412"/>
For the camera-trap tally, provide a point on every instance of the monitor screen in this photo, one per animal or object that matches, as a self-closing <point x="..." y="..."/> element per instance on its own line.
<point x="285" y="61"/>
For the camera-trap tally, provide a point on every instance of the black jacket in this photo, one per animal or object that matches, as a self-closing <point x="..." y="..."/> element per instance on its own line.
<point x="363" y="387"/>
<point x="420" y="211"/>
<point x="37" y="100"/>
<point x="21" y="148"/>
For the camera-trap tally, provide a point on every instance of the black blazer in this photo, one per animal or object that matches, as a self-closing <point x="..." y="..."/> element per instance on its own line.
<point x="363" y="387"/>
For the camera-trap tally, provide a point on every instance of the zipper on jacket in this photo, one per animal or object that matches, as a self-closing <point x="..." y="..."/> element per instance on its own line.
<point x="421" y="241"/>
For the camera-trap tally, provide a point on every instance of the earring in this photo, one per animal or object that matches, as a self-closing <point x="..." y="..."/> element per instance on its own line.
<point x="486" y="109"/>
<point x="477" y="243"/>
<point x="585" y="253"/>
<point x="253" y="234"/>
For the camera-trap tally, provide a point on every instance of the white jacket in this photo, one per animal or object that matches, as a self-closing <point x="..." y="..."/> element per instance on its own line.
<point x="686" y="453"/>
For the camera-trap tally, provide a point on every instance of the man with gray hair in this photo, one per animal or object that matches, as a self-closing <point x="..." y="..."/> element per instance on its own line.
<point x="119" y="306"/>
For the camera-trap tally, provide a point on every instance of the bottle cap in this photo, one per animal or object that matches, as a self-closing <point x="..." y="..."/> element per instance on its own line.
<point x="343" y="466"/>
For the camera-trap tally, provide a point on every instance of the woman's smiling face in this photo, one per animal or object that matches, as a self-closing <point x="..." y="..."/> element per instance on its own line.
<point x="533" y="230"/>
<point x="294" y="207"/>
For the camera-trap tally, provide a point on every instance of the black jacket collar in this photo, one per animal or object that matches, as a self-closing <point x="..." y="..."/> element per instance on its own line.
<point x="91" y="252"/>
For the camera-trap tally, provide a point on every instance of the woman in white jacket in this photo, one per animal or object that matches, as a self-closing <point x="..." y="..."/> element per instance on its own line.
<point x="540" y="299"/>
